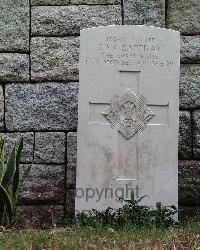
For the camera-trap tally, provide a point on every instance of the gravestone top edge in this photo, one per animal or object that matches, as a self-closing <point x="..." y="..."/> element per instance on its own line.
<point x="99" y="28"/>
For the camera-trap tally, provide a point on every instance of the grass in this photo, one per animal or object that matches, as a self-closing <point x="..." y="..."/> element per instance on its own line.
<point x="186" y="236"/>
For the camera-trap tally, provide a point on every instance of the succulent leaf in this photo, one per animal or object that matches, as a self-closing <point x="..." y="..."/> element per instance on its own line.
<point x="10" y="170"/>
<point x="7" y="201"/>
<point x="16" y="174"/>
<point x="9" y="182"/>
<point x="2" y="156"/>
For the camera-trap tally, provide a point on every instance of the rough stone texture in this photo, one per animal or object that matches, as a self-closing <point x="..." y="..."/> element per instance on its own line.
<point x="71" y="159"/>
<point x="1" y="108"/>
<point x="14" y="67"/>
<point x="49" y="2"/>
<point x="70" y="203"/>
<point x="71" y="147"/>
<point x="151" y="12"/>
<point x="71" y="176"/>
<point x="49" y="147"/>
<point x="189" y="86"/>
<point x="68" y="20"/>
<point x="54" y="58"/>
<point x="14" y="3"/>
<point x="196" y="137"/>
<point x="189" y="183"/>
<point x="28" y="141"/>
<point x="189" y="213"/>
<point x="14" y="32"/>
<point x="44" y="106"/>
<point x="183" y="15"/>
<point x="185" y="137"/>
<point x="45" y="184"/>
<point x="95" y="1"/>
<point x="38" y="216"/>
<point x="190" y="49"/>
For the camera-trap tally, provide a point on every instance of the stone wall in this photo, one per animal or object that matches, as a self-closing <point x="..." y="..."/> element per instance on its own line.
<point x="39" y="49"/>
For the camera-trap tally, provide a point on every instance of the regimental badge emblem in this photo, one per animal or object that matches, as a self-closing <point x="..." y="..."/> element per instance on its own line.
<point x="128" y="113"/>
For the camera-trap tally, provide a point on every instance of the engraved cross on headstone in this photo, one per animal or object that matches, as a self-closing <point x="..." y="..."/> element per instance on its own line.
<point x="128" y="114"/>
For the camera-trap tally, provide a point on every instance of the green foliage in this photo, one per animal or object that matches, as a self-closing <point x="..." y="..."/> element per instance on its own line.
<point x="184" y="236"/>
<point x="131" y="214"/>
<point x="10" y="182"/>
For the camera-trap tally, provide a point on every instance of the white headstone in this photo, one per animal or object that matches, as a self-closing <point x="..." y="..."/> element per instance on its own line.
<point x="128" y="116"/>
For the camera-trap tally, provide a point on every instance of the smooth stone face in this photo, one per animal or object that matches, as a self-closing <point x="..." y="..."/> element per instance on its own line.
<point x="183" y="15"/>
<point x="185" y="135"/>
<point x="189" y="183"/>
<point x="196" y="139"/>
<point x="189" y="90"/>
<point x="151" y="12"/>
<point x="28" y="142"/>
<point x="127" y="143"/>
<point x="45" y="184"/>
<point x="190" y="49"/>
<point x="14" y="67"/>
<point x="54" y="58"/>
<point x="49" y="147"/>
<point x="68" y="20"/>
<point x="42" y="106"/>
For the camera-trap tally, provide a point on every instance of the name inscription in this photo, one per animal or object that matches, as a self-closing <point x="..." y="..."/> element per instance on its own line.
<point x="129" y="51"/>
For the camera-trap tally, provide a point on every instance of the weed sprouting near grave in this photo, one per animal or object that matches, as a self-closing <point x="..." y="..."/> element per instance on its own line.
<point x="131" y="214"/>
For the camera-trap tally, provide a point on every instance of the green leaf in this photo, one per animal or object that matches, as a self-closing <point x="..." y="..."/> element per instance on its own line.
<point x="9" y="191"/>
<point x="1" y="170"/>
<point x="19" y="151"/>
<point x="2" y="162"/>
<point x="1" y="146"/>
<point x="16" y="174"/>
<point x="159" y="206"/>
<point x="10" y="170"/>
<point x="141" y="198"/>
<point x="2" y="154"/>
<point x="7" y="202"/>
